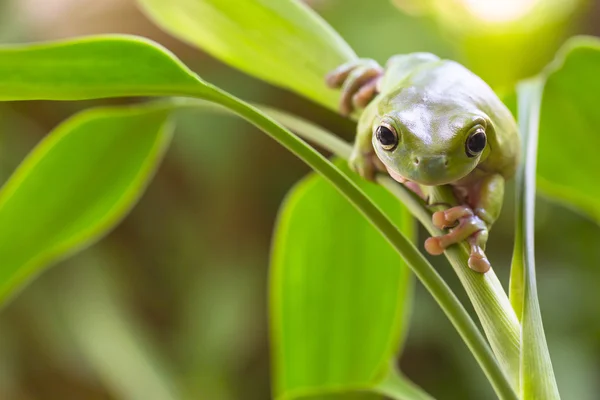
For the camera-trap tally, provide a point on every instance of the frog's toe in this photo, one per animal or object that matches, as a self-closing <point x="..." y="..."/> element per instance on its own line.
<point x="478" y="261"/>
<point x="366" y="93"/>
<point x="362" y="76"/>
<point x="358" y="80"/>
<point x="337" y="77"/>
<point x="433" y="246"/>
<point x="450" y="218"/>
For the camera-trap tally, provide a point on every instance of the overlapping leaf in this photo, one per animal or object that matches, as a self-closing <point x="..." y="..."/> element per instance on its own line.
<point x="75" y="186"/>
<point x="282" y="42"/>
<point x="340" y="294"/>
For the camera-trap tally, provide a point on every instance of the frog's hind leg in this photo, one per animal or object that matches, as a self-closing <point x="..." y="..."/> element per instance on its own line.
<point x="358" y="80"/>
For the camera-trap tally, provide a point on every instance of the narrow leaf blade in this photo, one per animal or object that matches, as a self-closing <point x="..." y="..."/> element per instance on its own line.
<point x="567" y="163"/>
<point x="537" y="375"/>
<point x="78" y="183"/>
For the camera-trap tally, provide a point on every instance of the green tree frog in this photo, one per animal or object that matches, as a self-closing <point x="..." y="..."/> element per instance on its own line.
<point x="429" y="122"/>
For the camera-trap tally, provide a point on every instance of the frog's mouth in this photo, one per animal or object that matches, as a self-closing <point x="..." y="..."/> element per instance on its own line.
<point x="429" y="172"/>
<point x="396" y="176"/>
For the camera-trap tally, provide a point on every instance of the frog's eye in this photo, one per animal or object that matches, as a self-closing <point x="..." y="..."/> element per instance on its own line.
<point x="387" y="137"/>
<point x="476" y="141"/>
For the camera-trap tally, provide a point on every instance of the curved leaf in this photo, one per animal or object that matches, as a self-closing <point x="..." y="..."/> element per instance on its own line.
<point x="340" y="295"/>
<point x="77" y="184"/>
<point x="568" y="166"/>
<point x="280" y="41"/>
<point x="94" y="67"/>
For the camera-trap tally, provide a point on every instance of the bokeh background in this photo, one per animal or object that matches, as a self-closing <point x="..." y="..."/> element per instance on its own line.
<point x="173" y="303"/>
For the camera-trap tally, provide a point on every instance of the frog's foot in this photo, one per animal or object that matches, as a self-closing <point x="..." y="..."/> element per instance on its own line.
<point x="464" y="225"/>
<point x="358" y="80"/>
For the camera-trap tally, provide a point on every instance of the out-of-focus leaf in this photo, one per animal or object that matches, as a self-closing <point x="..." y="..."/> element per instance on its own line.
<point x="340" y="295"/>
<point x="509" y="30"/>
<point x="568" y="163"/>
<point x="109" y="339"/>
<point x="537" y="379"/>
<point x="76" y="185"/>
<point x="280" y="41"/>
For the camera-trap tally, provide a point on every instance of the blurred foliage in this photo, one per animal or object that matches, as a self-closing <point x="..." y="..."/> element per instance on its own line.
<point x="502" y="41"/>
<point x="187" y="268"/>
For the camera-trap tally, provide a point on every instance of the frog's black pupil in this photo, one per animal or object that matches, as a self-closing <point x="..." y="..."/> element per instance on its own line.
<point x="476" y="143"/>
<point x="386" y="137"/>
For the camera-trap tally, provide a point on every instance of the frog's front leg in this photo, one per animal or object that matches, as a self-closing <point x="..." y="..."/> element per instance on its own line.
<point x="358" y="80"/>
<point x="471" y="221"/>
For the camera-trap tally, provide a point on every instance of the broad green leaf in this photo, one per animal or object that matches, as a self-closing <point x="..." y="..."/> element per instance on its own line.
<point x="340" y="295"/>
<point x="537" y="376"/>
<point x="77" y="184"/>
<point x="280" y="41"/>
<point x="568" y="163"/>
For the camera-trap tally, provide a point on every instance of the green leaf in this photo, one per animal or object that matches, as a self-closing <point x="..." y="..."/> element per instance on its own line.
<point x="340" y="295"/>
<point x="76" y="185"/>
<point x="279" y="41"/>
<point x="94" y="67"/>
<point x="568" y="165"/>
<point x="537" y="376"/>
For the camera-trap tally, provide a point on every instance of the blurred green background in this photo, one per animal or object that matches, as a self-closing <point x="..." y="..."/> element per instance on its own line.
<point x="173" y="303"/>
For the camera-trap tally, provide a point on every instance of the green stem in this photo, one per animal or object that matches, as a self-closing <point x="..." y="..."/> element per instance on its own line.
<point x="414" y="259"/>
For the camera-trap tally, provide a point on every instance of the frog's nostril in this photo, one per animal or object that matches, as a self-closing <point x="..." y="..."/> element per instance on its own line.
<point x="446" y="163"/>
<point x="416" y="160"/>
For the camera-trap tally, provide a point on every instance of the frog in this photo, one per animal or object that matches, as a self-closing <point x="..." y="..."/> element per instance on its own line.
<point x="428" y="121"/>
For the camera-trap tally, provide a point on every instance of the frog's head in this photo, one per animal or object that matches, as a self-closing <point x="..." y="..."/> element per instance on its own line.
<point x="432" y="148"/>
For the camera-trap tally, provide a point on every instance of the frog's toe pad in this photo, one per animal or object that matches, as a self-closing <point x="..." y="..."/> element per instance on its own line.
<point x="433" y="246"/>
<point x="478" y="262"/>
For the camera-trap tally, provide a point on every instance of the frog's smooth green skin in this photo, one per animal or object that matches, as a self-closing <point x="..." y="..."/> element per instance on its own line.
<point x="432" y="122"/>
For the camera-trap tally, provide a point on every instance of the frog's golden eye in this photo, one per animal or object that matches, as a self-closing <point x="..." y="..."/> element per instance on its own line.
<point x="475" y="141"/>
<point x="387" y="137"/>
